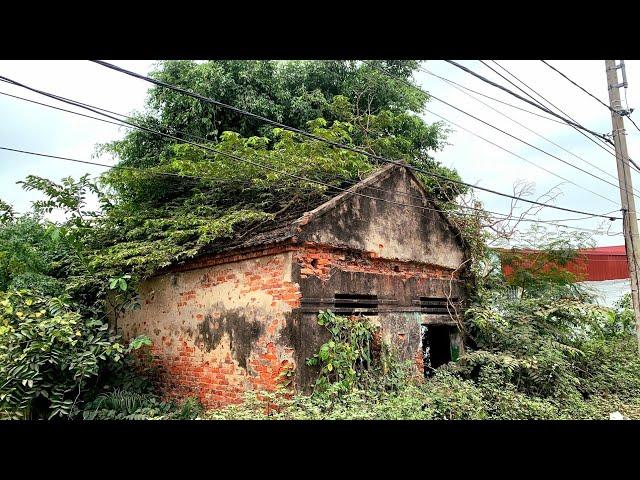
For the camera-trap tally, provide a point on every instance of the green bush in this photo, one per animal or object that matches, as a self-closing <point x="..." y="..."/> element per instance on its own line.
<point x="127" y="405"/>
<point x="50" y="355"/>
<point x="124" y="405"/>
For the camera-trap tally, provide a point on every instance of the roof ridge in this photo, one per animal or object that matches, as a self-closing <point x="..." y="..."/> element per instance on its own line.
<point x="333" y="201"/>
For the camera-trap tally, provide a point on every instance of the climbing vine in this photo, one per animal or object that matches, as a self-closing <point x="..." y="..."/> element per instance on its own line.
<point x="346" y="356"/>
<point x="349" y="361"/>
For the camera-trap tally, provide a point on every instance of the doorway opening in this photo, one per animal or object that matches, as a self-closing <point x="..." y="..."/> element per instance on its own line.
<point x="436" y="347"/>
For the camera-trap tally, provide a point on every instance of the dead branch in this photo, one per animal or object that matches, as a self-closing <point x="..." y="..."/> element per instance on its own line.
<point x="455" y="317"/>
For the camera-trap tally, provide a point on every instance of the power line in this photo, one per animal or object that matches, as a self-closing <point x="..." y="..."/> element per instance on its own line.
<point x="533" y="146"/>
<point x="483" y="138"/>
<point x="58" y="108"/>
<point x="523" y="91"/>
<point x="607" y="142"/>
<point x="510" y="152"/>
<point x="534" y="202"/>
<point x="151" y="172"/>
<point x="310" y="135"/>
<point x="601" y="138"/>
<point x="576" y="84"/>
<point x="428" y="72"/>
<point x="520" y="140"/>
<point x="236" y="157"/>
<point x="454" y="85"/>
<point x="634" y="123"/>
<point x="537" y="105"/>
<point x="343" y="178"/>
<point x="198" y="177"/>
<point x="146" y="171"/>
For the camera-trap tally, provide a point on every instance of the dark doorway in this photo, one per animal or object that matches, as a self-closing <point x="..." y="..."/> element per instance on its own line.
<point x="436" y="347"/>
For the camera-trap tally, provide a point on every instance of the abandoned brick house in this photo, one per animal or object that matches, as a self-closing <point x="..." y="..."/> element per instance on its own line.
<point x="232" y="320"/>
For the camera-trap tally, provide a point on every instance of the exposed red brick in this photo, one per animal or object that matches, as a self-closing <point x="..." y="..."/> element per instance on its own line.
<point x="318" y="260"/>
<point x="186" y="368"/>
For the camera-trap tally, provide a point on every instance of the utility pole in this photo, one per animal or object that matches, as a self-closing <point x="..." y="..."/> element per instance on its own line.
<point x="630" y="221"/>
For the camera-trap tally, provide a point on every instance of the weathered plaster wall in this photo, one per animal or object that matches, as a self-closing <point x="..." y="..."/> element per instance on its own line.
<point x="385" y="228"/>
<point x="221" y="330"/>
<point x="322" y="271"/>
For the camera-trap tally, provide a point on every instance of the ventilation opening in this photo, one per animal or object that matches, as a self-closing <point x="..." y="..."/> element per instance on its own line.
<point x="436" y="347"/>
<point x="436" y="305"/>
<point x="350" y="303"/>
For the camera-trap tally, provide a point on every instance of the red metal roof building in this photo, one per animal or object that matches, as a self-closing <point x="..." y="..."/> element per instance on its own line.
<point x="605" y="263"/>
<point x="593" y="264"/>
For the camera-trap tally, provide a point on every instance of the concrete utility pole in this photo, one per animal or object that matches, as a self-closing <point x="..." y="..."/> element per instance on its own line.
<point x="630" y="221"/>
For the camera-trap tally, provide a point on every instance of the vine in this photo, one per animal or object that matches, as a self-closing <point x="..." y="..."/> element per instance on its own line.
<point x="348" y="361"/>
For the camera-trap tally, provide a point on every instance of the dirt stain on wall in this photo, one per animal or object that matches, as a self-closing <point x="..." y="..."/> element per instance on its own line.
<point x="242" y="333"/>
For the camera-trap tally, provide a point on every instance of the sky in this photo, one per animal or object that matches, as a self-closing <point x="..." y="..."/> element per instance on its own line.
<point x="36" y="128"/>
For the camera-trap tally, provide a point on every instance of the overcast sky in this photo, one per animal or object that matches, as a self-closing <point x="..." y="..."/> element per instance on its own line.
<point x="32" y="127"/>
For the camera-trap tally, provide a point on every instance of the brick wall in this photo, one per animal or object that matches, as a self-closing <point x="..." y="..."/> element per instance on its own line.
<point x="229" y="324"/>
<point x="317" y="260"/>
<point x="218" y="331"/>
<point x="323" y="270"/>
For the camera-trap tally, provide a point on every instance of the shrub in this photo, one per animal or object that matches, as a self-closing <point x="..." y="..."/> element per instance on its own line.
<point x="125" y="405"/>
<point x="50" y="355"/>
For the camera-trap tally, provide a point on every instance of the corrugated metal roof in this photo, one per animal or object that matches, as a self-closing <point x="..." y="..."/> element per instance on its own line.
<point x="612" y="250"/>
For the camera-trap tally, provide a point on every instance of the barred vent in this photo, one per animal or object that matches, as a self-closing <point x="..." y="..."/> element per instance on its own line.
<point x="435" y="305"/>
<point x="349" y="303"/>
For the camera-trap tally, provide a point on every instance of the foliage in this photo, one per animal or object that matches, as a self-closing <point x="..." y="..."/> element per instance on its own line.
<point x="545" y="352"/>
<point x="7" y="212"/>
<point x="159" y="220"/>
<point x="49" y="354"/>
<point x="548" y="354"/>
<point x="127" y="405"/>
<point x="185" y="199"/>
<point x="30" y="254"/>
<point x="346" y="357"/>
<point x="188" y="198"/>
<point x="381" y="111"/>
<point x="53" y="257"/>
<point x="551" y="343"/>
<point x="622" y="320"/>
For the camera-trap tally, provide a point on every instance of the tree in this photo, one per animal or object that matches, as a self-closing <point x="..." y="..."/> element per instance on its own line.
<point x="187" y="198"/>
<point x="382" y="112"/>
<point x="541" y="263"/>
<point x="29" y="252"/>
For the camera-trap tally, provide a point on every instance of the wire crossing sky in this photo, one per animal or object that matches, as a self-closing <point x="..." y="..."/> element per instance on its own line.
<point x="334" y="144"/>
<point x="41" y="129"/>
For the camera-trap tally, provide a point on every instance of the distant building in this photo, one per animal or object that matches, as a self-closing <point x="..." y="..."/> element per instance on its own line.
<point x="603" y="270"/>
<point x="602" y="263"/>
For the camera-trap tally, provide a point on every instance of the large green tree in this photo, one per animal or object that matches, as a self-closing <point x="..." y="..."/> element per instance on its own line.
<point x="382" y="112"/>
